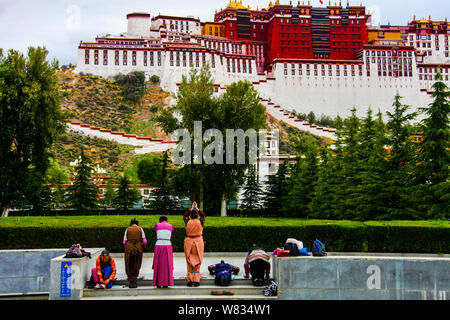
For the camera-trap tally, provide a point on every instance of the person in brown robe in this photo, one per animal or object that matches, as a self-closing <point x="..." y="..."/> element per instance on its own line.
<point x="134" y="242"/>
<point x="194" y="246"/>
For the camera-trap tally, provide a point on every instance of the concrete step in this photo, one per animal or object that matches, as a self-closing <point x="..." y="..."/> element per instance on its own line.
<point x="204" y="281"/>
<point x="183" y="297"/>
<point x="178" y="290"/>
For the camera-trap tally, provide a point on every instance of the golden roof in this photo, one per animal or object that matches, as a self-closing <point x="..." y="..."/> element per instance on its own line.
<point x="237" y="5"/>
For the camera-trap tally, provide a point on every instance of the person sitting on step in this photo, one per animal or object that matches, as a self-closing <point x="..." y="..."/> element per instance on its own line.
<point x="103" y="275"/>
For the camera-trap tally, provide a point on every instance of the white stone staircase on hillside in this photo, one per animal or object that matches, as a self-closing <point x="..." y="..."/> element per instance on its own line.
<point x="281" y="114"/>
<point x="143" y="144"/>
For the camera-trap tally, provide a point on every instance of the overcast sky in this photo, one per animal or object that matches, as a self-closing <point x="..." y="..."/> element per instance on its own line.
<point x="60" y="25"/>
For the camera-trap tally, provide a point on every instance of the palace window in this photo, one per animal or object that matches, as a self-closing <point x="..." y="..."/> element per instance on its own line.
<point x="145" y="58"/>
<point x="184" y="59"/>
<point x="197" y="59"/>
<point x="86" y="56"/>
<point x="125" y="56"/>
<point x="244" y="66"/>
<point x="178" y="58"/>
<point x="171" y="59"/>
<point x="95" y="57"/>
<point x="249" y="66"/>
<point x="159" y="58"/>
<point x="151" y="58"/>
<point x="190" y="60"/>
<point x="213" y="61"/>
<point x="134" y="58"/>
<point x="105" y="57"/>
<point x="116" y="58"/>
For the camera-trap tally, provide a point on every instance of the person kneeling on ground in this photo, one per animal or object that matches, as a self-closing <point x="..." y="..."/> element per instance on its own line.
<point x="223" y="272"/>
<point x="257" y="262"/>
<point x="103" y="274"/>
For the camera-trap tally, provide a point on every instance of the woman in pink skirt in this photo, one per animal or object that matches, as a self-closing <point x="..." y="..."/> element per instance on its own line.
<point x="163" y="256"/>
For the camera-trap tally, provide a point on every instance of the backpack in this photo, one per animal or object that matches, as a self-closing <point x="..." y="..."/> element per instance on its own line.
<point x="293" y="249"/>
<point x="75" y="252"/>
<point x="271" y="289"/>
<point x="318" y="249"/>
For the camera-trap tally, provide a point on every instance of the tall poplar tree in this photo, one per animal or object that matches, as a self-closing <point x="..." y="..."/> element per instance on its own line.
<point x="30" y="121"/>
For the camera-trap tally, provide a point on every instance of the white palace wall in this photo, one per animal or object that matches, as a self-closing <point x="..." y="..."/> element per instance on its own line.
<point x="328" y="95"/>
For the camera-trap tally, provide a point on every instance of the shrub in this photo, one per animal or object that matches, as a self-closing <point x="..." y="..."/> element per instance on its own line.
<point x="154" y="79"/>
<point x="337" y="237"/>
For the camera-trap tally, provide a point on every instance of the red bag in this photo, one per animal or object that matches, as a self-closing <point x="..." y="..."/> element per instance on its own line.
<point x="283" y="253"/>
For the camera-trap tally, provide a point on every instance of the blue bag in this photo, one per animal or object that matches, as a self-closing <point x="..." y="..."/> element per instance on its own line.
<point x="318" y="249"/>
<point x="304" y="252"/>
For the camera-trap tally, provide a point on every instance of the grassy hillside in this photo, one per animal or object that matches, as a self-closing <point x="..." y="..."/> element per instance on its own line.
<point x="100" y="102"/>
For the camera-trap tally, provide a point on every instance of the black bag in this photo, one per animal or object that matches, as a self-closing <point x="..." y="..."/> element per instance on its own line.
<point x="271" y="290"/>
<point x="293" y="249"/>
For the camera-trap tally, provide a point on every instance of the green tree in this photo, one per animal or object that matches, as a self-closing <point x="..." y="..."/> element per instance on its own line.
<point x="368" y="195"/>
<point x="132" y="84"/>
<point x="83" y="193"/>
<point x="109" y="193"/>
<point x="195" y="102"/>
<point x="162" y="199"/>
<point x="252" y="192"/>
<point x="432" y="170"/>
<point x="302" y="180"/>
<point x="56" y="174"/>
<point x="238" y="108"/>
<point x="125" y="197"/>
<point x="276" y="188"/>
<point x="329" y="177"/>
<point x="30" y="121"/>
<point x="400" y="160"/>
<point x="149" y="169"/>
<point x="434" y="155"/>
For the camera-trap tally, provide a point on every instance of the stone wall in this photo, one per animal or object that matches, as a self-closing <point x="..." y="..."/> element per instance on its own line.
<point x="363" y="277"/>
<point x="25" y="272"/>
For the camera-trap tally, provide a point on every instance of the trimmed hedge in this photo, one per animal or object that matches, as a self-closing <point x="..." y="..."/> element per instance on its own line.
<point x="367" y="238"/>
<point x="111" y="212"/>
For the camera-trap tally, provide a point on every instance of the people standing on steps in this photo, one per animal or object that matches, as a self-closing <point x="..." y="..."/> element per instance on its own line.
<point x="163" y="255"/>
<point x="134" y="243"/>
<point x="104" y="273"/>
<point x="193" y="244"/>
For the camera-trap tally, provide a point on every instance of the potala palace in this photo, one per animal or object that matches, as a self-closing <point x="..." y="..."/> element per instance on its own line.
<point x="298" y="57"/>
